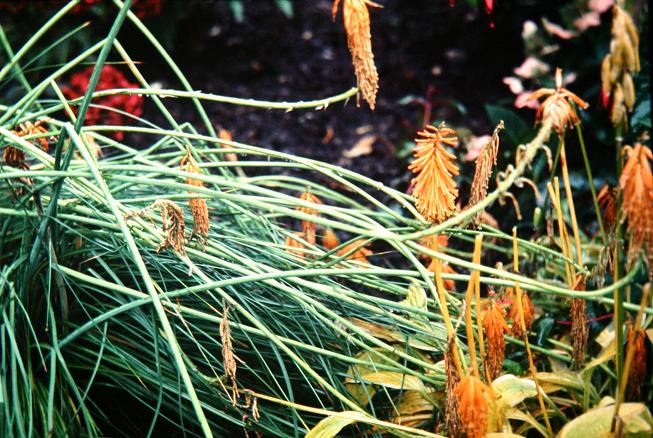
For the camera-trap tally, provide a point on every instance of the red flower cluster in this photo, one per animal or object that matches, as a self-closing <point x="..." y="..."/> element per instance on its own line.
<point x="142" y="8"/>
<point x="110" y="78"/>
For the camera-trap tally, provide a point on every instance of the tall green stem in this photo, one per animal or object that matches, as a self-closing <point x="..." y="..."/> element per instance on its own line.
<point x="588" y="170"/>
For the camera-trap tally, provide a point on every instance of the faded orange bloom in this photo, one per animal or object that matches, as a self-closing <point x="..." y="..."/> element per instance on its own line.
<point x="449" y="284"/>
<point x="513" y="315"/>
<point x="434" y="188"/>
<point x="557" y="106"/>
<point x="637" y="341"/>
<point x="15" y="157"/>
<point x="637" y="187"/>
<point x="495" y="326"/>
<point x="607" y="198"/>
<point x="198" y="207"/>
<point x="294" y="246"/>
<point x="224" y="134"/>
<point x="452" y="408"/>
<point x="473" y="406"/>
<point x="309" y="226"/>
<point x="360" y="253"/>
<point x="356" y="18"/>
<point x="330" y="240"/>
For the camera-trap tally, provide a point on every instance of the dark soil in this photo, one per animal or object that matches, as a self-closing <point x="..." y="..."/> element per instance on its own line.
<point x="449" y="56"/>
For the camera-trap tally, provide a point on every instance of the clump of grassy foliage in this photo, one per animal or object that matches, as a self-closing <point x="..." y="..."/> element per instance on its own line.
<point x="238" y="331"/>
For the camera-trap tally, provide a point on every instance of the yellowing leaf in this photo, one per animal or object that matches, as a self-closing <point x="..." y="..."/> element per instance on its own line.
<point x="330" y="426"/>
<point x="514" y="390"/>
<point x="416" y="296"/>
<point x="392" y="380"/>
<point x="636" y="419"/>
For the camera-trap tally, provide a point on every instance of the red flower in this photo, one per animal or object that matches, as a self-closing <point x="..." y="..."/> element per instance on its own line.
<point x="110" y="78"/>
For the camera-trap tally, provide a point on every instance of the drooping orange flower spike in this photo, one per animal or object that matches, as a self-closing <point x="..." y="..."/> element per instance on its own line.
<point x="307" y="225"/>
<point x="473" y="406"/>
<point x="434" y="188"/>
<point x="637" y="185"/>
<point x="359" y="40"/>
<point x="557" y="106"/>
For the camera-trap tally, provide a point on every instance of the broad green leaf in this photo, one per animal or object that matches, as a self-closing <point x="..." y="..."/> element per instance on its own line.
<point x="416" y="296"/>
<point x="514" y="390"/>
<point x="517" y="131"/>
<point x="636" y="419"/>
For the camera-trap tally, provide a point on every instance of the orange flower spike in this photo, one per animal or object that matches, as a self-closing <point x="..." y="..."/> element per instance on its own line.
<point x="360" y="253"/>
<point x="495" y="326"/>
<point x="356" y="18"/>
<point x="557" y="105"/>
<point x="513" y="315"/>
<point x="434" y="187"/>
<point x="294" y="246"/>
<point x="330" y="240"/>
<point x="473" y="406"/>
<point x="307" y="225"/>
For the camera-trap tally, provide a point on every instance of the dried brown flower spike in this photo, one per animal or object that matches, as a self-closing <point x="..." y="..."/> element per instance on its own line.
<point x="452" y="417"/>
<point x="197" y="206"/>
<point x="173" y="224"/>
<point x="434" y="188"/>
<point x="619" y="66"/>
<point x="356" y="18"/>
<point x="487" y="158"/>
<point x="309" y="226"/>
<point x="15" y="157"/>
<point x="607" y="198"/>
<point x="637" y="186"/>
<point x="557" y="106"/>
<point x="473" y="408"/>
<point x="359" y="254"/>
<point x="579" y="328"/>
<point x="228" y="357"/>
<point x="495" y="326"/>
<point x="636" y="339"/>
<point x="513" y="315"/>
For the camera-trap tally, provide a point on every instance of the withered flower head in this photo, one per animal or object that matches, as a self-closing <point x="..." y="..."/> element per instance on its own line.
<point x="15" y="157"/>
<point x="309" y="226"/>
<point x="557" y="106"/>
<point x="513" y="315"/>
<point x="434" y="188"/>
<point x="636" y="339"/>
<point x="619" y="66"/>
<point x="330" y="240"/>
<point x="198" y="207"/>
<point x="637" y="186"/>
<point x="495" y="326"/>
<point x="579" y="328"/>
<point x="473" y="407"/>
<point x="356" y="18"/>
<point x="228" y="356"/>
<point x="453" y="378"/>
<point x="173" y="224"/>
<point x="485" y="161"/>
<point x="607" y="198"/>
<point x="360" y="253"/>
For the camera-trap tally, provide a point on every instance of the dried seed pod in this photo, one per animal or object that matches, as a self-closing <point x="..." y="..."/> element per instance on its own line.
<point x="452" y="408"/>
<point x="629" y="91"/>
<point x="607" y="198"/>
<point x="356" y="18"/>
<point x="228" y="356"/>
<point x="473" y="407"/>
<point x="485" y="162"/>
<point x="618" y="112"/>
<point x="434" y="187"/>
<point x="606" y="82"/>
<point x="173" y="224"/>
<point x="636" y="339"/>
<point x="579" y="328"/>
